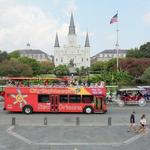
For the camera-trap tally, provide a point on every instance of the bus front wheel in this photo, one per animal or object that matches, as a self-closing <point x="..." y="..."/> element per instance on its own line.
<point x="88" y="110"/>
<point x="27" y="109"/>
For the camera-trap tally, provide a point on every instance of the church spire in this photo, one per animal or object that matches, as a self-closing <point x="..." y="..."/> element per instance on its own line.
<point x="87" y="44"/>
<point x="71" y="26"/>
<point x="56" y="41"/>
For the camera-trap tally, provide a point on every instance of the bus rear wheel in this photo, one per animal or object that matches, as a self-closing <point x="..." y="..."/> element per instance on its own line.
<point x="88" y="110"/>
<point x="27" y="109"/>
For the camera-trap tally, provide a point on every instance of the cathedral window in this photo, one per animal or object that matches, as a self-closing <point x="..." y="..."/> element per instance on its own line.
<point x="56" y="59"/>
<point x="61" y="60"/>
<point x="82" y="59"/>
<point x="87" y="59"/>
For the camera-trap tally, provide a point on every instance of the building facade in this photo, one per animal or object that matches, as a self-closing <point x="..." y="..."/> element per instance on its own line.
<point x="109" y="54"/>
<point x="72" y="53"/>
<point x="35" y="54"/>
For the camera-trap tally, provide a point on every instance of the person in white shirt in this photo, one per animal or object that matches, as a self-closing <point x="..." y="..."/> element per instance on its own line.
<point x="142" y="124"/>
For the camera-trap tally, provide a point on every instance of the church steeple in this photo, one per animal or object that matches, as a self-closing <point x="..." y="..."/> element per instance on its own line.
<point x="56" y="41"/>
<point x="71" y="26"/>
<point x="87" y="43"/>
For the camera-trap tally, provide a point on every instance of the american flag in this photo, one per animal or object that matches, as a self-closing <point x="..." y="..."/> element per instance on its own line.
<point x="114" y="19"/>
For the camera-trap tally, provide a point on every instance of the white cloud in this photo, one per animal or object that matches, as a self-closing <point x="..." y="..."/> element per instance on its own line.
<point x="20" y="24"/>
<point x="146" y="18"/>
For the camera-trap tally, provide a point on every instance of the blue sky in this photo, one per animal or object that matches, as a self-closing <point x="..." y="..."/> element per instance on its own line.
<point x="37" y="21"/>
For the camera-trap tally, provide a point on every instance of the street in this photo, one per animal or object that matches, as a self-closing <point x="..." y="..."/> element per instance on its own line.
<point x="51" y="131"/>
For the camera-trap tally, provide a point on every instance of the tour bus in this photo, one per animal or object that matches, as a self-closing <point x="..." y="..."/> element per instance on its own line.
<point x="55" y="99"/>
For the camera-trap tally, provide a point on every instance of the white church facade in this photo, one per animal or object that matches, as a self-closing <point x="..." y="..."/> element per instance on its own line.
<point x="72" y="52"/>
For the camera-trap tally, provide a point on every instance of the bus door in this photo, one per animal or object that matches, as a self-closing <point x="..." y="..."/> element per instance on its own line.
<point x="54" y="103"/>
<point x="98" y="103"/>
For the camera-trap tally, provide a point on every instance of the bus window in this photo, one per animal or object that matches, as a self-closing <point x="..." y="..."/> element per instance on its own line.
<point x="75" y="99"/>
<point x="63" y="98"/>
<point x="87" y="98"/>
<point x="43" y="98"/>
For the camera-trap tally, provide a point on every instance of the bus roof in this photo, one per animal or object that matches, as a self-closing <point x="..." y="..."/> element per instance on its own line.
<point x="147" y="87"/>
<point x="31" y="78"/>
<point x="131" y="89"/>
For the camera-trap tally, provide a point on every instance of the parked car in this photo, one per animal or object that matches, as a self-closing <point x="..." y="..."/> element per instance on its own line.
<point x="131" y="96"/>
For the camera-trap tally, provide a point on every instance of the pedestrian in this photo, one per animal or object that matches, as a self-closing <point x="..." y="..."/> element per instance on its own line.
<point x="132" y="121"/>
<point x="142" y="128"/>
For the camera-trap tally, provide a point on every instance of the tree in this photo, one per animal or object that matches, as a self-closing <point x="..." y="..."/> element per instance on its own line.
<point x="104" y="66"/>
<point x="98" y="67"/>
<point x="15" y="68"/>
<point x="142" y="52"/>
<point x="3" y="56"/>
<point x="133" y="66"/>
<point x="111" y="65"/>
<point x="14" y="54"/>
<point x="145" y="49"/>
<point x="134" y="53"/>
<point x="113" y="78"/>
<point x="61" y="70"/>
<point x="146" y="76"/>
<point x="82" y="71"/>
<point x="32" y="63"/>
<point x="46" y="67"/>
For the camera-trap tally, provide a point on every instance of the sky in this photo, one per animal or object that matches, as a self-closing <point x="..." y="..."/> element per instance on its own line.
<point x="37" y="21"/>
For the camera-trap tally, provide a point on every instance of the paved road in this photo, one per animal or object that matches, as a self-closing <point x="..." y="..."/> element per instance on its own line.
<point x="62" y="133"/>
<point x="119" y="115"/>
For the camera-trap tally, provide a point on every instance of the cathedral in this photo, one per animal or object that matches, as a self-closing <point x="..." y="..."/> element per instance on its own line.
<point x="72" y="53"/>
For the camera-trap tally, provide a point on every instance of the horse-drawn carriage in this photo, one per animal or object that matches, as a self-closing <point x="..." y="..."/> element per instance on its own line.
<point x="132" y="96"/>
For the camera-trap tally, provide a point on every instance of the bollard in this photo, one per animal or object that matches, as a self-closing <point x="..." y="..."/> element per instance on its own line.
<point x="109" y="121"/>
<point x="13" y="121"/>
<point x="78" y="121"/>
<point x="45" y="120"/>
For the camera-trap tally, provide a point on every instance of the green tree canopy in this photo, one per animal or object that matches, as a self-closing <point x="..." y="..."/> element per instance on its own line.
<point x="14" y="54"/>
<point x="82" y="71"/>
<point x="145" y="49"/>
<point x="104" y="66"/>
<point x="98" y="67"/>
<point x="112" y="78"/>
<point x="15" y="68"/>
<point x="46" y="67"/>
<point x="3" y="56"/>
<point x="146" y="76"/>
<point x="32" y="63"/>
<point x="142" y="52"/>
<point x="61" y="70"/>
<point x="135" y="53"/>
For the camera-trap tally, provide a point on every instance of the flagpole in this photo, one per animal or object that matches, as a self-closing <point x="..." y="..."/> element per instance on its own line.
<point x="117" y="44"/>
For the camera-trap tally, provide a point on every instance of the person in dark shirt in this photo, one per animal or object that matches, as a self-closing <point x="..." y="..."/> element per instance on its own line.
<point x="132" y="121"/>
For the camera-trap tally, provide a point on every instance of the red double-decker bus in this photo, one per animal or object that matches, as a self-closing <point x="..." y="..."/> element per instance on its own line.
<point x="55" y="99"/>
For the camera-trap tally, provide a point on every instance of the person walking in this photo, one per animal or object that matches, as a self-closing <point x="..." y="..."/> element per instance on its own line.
<point x="142" y="128"/>
<point x="132" y="122"/>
